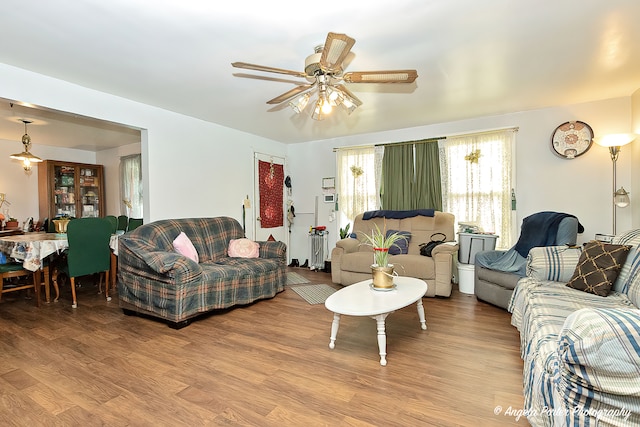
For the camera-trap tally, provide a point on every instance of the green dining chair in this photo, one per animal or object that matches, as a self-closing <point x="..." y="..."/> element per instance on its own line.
<point x="134" y="223"/>
<point x="123" y="222"/>
<point x="113" y="220"/>
<point x="88" y="252"/>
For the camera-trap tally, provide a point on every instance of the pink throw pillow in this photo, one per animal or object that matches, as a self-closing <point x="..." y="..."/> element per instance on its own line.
<point x="244" y="248"/>
<point x="184" y="246"/>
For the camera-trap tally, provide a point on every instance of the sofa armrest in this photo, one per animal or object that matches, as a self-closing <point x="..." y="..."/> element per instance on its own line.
<point x="273" y="249"/>
<point x="348" y="245"/>
<point x="163" y="262"/>
<point x="556" y="263"/>
<point x="343" y="246"/>
<point x="598" y="351"/>
<point x="448" y="248"/>
<point x="443" y="256"/>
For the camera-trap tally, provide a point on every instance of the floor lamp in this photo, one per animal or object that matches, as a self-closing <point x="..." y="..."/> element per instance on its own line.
<point x="614" y="142"/>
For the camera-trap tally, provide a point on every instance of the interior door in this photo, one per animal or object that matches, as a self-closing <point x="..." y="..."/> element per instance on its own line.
<point x="266" y="211"/>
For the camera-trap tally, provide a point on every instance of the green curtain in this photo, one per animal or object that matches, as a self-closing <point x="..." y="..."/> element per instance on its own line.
<point x="397" y="177"/>
<point x="427" y="192"/>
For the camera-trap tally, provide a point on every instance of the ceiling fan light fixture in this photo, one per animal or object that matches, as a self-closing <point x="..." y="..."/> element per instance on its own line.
<point x="324" y="71"/>
<point x="323" y="96"/>
<point x="349" y="106"/>
<point x="318" y="111"/>
<point x="349" y="101"/>
<point x="326" y="107"/>
<point x="298" y="104"/>
<point x="335" y="96"/>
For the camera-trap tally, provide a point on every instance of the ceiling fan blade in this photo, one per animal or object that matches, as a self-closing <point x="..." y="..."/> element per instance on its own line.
<point x="268" y="69"/>
<point x="290" y="94"/>
<point x="391" y="76"/>
<point x="267" y="78"/>
<point x="336" y="48"/>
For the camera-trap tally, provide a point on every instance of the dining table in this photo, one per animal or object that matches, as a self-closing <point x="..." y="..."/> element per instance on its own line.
<point x="35" y="247"/>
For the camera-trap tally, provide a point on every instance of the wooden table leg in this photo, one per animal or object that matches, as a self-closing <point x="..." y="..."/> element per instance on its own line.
<point x="54" y="278"/>
<point x="47" y="286"/>
<point x="37" y="283"/>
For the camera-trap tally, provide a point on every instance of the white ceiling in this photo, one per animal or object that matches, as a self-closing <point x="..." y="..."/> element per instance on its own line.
<point x="474" y="58"/>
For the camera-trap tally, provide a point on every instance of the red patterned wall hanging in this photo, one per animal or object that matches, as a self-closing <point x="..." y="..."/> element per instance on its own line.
<point x="271" y="178"/>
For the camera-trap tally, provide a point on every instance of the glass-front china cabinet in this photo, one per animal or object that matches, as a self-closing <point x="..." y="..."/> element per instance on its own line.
<point x="70" y="189"/>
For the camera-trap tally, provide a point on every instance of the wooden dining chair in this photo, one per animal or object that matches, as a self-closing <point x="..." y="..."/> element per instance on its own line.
<point x="11" y="270"/>
<point x="88" y="252"/>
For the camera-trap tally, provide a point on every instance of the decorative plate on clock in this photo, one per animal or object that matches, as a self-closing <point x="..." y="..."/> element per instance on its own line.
<point x="571" y="139"/>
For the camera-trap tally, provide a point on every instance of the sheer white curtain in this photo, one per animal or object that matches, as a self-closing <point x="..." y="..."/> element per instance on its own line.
<point x="377" y="161"/>
<point x="358" y="181"/>
<point x="131" y="186"/>
<point x="476" y="180"/>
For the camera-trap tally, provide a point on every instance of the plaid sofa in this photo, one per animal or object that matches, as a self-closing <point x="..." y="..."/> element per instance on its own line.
<point x="154" y="279"/>
<point x="581" y="351"/>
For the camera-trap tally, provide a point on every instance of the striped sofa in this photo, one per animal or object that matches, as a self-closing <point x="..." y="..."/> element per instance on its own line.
<point x="581" y="351"/>
<point x="155" y="280"/>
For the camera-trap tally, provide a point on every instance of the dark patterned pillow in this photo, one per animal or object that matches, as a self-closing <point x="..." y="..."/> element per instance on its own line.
<point x="402" y="245"/>
<point x="598" y="267"/>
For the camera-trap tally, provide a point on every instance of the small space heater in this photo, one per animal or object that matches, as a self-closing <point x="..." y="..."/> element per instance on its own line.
<point x="318" y="248"/>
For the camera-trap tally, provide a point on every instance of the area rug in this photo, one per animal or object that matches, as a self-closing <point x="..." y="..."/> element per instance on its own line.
<point x="314" y="294"/>
<point x="295" y="278"/>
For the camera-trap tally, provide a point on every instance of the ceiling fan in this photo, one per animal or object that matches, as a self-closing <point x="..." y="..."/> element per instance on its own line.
<point x="324" y="74"/>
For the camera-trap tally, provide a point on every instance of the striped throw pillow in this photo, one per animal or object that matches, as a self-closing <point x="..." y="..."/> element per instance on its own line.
<point x="628" y="281"/>
<point x="555" y="263"/>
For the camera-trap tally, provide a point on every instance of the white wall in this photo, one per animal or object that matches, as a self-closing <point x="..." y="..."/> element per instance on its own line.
<point x="544" y="181"/>
<point x="193" y="168"/>
<point x="635" y="165"/>
<point x="110" y="159"/>
<point x="308" y="164"/>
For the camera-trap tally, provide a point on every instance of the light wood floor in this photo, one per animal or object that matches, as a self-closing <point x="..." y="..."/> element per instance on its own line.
<point x="267" y="364"/>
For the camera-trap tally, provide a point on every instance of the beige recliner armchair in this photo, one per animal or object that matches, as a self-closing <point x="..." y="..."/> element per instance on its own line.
<point x="351" y="259"/>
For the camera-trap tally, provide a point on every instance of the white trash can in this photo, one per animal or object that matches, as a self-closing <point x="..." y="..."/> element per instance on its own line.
<point x="466" y="278"/>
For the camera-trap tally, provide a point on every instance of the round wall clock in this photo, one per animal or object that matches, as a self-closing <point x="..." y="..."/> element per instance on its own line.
<point x="571" y="139"/>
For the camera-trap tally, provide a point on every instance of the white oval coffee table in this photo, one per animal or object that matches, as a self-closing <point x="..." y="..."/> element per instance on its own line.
<point x="360" y="299"/>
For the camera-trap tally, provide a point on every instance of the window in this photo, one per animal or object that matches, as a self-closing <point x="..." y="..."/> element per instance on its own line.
<point x="358" y="181"/>
<point x="476" y="180"/>
<point x="476" y="174"/>
<point x="131" y="186"/>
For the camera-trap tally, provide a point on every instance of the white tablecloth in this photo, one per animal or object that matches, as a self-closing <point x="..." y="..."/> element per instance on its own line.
<point x="32" y="248"/>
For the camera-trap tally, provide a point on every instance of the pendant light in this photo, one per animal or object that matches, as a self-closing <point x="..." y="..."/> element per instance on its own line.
<point x="26" y="157"/>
